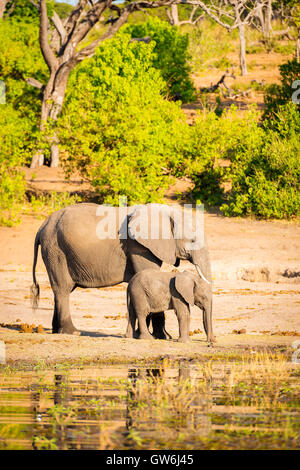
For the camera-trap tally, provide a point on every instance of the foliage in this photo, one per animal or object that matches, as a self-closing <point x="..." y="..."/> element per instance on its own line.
<point x="63" y="9"/>
<point x="21" y="58"/>
<point x="265" y="178"/>
<point x="170" y="55"/>
<point x="116" y="128"/>
<point x="215" y="139"/>
<point x="209" y="46"/>
<point x="23" y="11"/>
<point x="45" y="205"/>
<point x="278" y="95"/>
<point x="15" y="145"/>
<point x="261" y="166"/>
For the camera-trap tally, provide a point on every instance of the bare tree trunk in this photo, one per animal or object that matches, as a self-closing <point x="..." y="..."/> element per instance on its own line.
<point x="243" y="63"/>
<point x="3" y="4"/>
<point x="53" y="98"/>
<point x="172" y="15"/>
<point x="54" y="153"/>
<point x="259" y="14"/>
<point x="298" y="47"/>
<point x="268" y="17"/>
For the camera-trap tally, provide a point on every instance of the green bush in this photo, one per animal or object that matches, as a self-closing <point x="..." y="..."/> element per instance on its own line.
<point x="21" y="58"/>
<point x="277" y="95"/>
<point x="265" y="178"/>
<point x="117" y="128"/>
<point x="170" y="55"/>
<point x="215" y="138"/>
<point x="14" y="148"/>
<point x="262" y="166"/>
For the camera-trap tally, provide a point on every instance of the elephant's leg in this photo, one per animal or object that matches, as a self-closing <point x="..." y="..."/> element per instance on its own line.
<point x="130" y="332"/>
<point x="158" y="324"/>
<point x="183" y="315"/>
<point x="55" y="322"/>
<point x="62" y="318"/>
<point x="143" y="329"/>
<point x="62" y="285"/>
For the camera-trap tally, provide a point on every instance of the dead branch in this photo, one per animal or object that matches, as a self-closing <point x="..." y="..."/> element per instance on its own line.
<point x="212" y="88"/>
<point x="33" y="82"/>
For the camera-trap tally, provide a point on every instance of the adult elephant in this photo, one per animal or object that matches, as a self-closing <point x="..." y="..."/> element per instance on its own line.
<point x="87" y="245"/>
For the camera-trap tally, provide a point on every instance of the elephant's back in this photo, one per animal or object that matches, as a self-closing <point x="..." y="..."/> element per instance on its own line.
<point x="71" y="234"/>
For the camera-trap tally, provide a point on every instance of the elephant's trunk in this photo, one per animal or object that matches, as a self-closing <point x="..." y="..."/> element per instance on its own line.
<point x="207" y="322"/>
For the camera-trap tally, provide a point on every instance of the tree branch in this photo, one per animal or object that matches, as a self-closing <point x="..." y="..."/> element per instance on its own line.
<point x="59" y="27"/>
<point x="35" y="4"/>
<point x="207" y="10"/>
<point x="33" y="82"/>
<point x="47" y="52"/>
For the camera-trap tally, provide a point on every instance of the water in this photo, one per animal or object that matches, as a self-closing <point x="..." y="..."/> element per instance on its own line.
<point x="172" y="406"/>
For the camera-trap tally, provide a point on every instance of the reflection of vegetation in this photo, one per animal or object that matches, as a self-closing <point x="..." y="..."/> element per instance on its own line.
<point x="43" y="443"/>
<point x="244" y="401"/>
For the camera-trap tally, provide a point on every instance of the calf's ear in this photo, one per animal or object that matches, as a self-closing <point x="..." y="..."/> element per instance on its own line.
<point x="184" y="285"/>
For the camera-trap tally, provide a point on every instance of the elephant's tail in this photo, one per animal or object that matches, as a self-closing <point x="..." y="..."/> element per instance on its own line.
<point x="35" y="288"/>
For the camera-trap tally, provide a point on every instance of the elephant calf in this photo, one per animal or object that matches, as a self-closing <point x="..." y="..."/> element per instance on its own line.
<point x="151" y="291"/>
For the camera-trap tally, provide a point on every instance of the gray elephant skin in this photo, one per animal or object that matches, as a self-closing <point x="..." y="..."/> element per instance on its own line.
<point x="76" y="256"/>
<point x="152" y="291"/>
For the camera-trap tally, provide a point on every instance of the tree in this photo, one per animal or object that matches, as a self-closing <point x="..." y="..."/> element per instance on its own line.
<point x="291" y="13"/>
<point x="231" y="14"/>
<point x="3" y="4"/>
<point x="173" y="16"/>
<point x="130" y="137"/>
<point x="63" y="49"/>
<point x="264" y="16"/>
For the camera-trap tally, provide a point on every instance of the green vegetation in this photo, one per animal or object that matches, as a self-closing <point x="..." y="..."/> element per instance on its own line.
<point x="264" y="164"/>
<point x="170" y="56"/>
<point x="265" y="177"/>
<point x="15" y="146"/>
<point x="278" y="95"/>
<point x="116" y="114"/>
<point x="209" y="47"/>
<point x="121" y="129"/>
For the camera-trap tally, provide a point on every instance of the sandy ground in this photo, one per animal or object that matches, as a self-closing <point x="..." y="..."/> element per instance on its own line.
<point x="256" y="288"/>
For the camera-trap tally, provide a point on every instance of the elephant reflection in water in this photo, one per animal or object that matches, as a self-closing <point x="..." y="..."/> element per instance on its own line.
<point x="63" y="396"/>
<point x="144" y="420"/>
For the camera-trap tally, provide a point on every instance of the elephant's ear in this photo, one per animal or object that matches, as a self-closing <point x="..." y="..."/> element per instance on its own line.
<point x="151" y="225"/>
<point x="185" y="284"/>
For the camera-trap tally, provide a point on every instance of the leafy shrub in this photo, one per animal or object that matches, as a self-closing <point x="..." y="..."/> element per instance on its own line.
<point x="46" y="204"/>
<point x="213" y="139"/>
<point x="21" y="58"/>
<point x="265" y="178"/>
<point x="262" y="165"/>
<point x="170" y="55"/>
<point x="14" y="148"/>
<point x="278" y="95"/>
<point x="116" y="128"/>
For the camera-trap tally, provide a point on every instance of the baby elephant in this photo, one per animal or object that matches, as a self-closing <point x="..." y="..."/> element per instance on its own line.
<point x="152" y="291"/>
